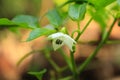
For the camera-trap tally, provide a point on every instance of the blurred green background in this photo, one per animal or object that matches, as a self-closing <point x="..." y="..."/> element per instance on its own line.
<point x="11" y="8"/>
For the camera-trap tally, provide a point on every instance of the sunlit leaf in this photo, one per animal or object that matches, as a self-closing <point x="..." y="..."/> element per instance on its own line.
<point x="37" y="32"/>
<point x="6" y="22"/>
<point x="101" y="3"/>
<point x="100" y="16"/>
<point x="54" y="17"/>
<point x="77" y="11"/>
<point x="26" y="21"/>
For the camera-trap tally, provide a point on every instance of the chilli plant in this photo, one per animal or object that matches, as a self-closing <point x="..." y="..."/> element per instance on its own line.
<point x="57" y="34"/>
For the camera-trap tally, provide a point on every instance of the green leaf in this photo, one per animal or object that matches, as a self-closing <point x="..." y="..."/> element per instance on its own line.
<point x="6" y="22"/>
<point x="118" y="15"/>
<point x="26" y="21"/>
<point x="54" y="17"/>
<point x="39" y="75"/>
<point x="100" y="16"/>
<point x="101" y="3"/>
<point x="77" y="11"/>
<point x="37" y="32"/>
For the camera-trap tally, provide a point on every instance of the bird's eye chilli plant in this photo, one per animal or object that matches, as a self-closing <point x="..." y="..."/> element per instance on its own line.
<point x="58" y="36"/>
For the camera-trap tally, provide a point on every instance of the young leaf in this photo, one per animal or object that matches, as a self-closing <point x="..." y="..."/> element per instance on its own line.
<point x="54" y="17"/>
<point x="100" y="16"/>
<point x="77" y="11"/>
<point x="39" y="75"/>
<point x="37" y="32"/>
<point x="26" y="21"/>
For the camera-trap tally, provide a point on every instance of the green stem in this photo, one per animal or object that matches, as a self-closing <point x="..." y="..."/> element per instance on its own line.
<point x="80" y="33"/>
<point x="96" y="41"/>
<point x="74" y="68"/>
<point x="111" y="27"/>
<point x="86" y="25"/>
<point x="88" y="60"/>
<point x="47" y="55"/>
<point x="27" y="55"/>
<point x="113" y="42"/>
<point x="78" y="24"/>
<point x="66" y="58"/>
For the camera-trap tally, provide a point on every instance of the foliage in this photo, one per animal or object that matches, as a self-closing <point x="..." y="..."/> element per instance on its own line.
<point x="26" y="21"/>
<point x="37" y="32"/>
<point x="54" y="18"/>
<point x="76" y="11"/>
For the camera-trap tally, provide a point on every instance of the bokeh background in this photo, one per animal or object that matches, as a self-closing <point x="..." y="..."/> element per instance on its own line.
<point x="105" y="66"/>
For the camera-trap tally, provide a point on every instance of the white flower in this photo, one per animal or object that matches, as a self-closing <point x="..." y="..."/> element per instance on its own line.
<point x="59" y="39"/>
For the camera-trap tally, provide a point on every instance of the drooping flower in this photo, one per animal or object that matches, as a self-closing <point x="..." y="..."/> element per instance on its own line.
<point x="59" y="39"/>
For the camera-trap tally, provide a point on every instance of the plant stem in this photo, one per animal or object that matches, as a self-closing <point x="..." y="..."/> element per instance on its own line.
<point x="78" y="24"/>
<point x="66" y="58"/>
<point x="86" y="25"/>
<point x="74" y="68"/>
<point x="27" y="55"/>
<point x="113" y="42"/>
<point x="80" y="33"/>
<point x="47" y="55"/>
<point x="88" y="60"/>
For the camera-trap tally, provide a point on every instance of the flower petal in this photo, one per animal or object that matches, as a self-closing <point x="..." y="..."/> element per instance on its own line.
<point x="56" y="35"/>
<point x="69" y="42"/>
<point x="66" y="39"/>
